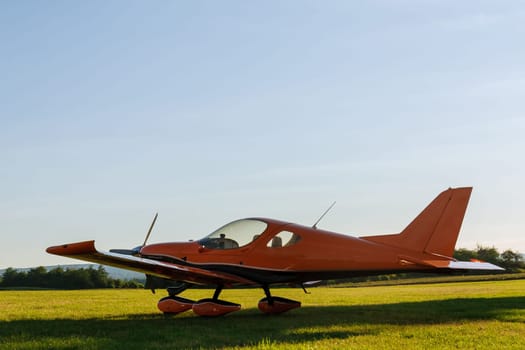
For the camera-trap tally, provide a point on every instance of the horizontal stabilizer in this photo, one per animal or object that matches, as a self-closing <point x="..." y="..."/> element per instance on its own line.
<point x="450" y="264"/>
<point x="468" y="265"/>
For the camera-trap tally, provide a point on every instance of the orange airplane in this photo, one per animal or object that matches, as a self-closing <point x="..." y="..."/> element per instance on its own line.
<point x="263" y="252"/>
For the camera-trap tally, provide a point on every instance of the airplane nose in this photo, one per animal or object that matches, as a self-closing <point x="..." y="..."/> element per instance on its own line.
<point x="170" y="249"/>
<point x="135" y="251"/>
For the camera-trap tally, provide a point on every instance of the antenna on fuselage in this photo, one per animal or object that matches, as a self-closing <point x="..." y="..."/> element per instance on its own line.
<point x="322" y="216"/>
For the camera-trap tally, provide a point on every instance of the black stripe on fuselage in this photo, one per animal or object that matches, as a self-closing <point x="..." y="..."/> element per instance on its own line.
<point x="272" y="276"/>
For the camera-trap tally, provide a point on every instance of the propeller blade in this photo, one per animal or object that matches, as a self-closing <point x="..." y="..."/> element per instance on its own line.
<point x="136" y="251"/>
<point x="150" y="228"/>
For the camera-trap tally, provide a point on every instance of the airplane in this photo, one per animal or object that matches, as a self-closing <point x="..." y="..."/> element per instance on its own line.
<point x="262" y="252"/>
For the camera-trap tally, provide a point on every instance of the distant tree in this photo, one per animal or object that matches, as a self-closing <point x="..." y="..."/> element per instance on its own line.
<point x="56" y="278"/>
<point x="512" y="261"/>
<point x="487" y="254"/>
<point x="490" y="255"/>
<point x="464" y="254"/>
<point x="99" y="277"/>
<point x="80" y="278"/>
<point x="11" y="277"/>
<point x="37" y="277"/>
<point x="59" y="278"/>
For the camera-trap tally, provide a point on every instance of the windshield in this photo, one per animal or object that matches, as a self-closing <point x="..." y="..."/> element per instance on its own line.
<point x="234" y="235"/>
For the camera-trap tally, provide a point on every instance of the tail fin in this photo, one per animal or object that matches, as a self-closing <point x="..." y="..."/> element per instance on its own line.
<point x="435" y="230"/>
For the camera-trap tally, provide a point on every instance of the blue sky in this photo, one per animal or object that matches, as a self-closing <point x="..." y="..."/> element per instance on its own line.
<point x="210" y="111"/>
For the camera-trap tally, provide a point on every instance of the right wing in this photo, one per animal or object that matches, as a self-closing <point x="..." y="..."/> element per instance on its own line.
<point x="86" y="251"/>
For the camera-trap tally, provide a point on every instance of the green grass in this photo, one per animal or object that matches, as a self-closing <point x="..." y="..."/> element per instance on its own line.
<point x="468" y="315"/>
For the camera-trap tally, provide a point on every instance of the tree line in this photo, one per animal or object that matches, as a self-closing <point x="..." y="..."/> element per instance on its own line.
<point x="59" y="278"/>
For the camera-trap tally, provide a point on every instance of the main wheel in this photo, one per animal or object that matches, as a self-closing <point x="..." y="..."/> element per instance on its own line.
<point x="214" y="307"/>
<point x="278" y="305"/>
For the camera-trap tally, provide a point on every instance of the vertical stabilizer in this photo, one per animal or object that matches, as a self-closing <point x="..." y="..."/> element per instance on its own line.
<point x="435" y="230"/>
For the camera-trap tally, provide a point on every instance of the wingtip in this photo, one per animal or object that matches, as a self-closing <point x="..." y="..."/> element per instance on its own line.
<point x="72" y="248"/>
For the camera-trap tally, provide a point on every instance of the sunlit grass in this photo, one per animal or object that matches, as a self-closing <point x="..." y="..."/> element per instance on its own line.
<point x="474" y="315"/>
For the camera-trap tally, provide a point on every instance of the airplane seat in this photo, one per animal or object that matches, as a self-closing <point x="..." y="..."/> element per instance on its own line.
<point x="277" y="242"/>
<point x="230" y="244"/>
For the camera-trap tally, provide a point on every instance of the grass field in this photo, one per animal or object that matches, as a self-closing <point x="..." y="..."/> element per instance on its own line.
<point x="468" y="315"/>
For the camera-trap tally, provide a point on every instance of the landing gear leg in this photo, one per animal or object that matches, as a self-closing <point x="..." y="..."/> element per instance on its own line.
<point x="177" y="289"/>
<point x="217" y="292"/>
<point x="269" y="297"/>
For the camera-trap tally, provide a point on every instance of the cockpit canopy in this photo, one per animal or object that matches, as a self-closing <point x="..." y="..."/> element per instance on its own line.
<point x="235" y="234"/>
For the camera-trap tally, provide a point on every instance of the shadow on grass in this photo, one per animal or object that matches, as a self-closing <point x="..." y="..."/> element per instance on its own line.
<point x="249" y="327"/>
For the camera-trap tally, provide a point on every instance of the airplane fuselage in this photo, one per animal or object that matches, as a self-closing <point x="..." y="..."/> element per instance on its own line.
<point x="316" y="254"/>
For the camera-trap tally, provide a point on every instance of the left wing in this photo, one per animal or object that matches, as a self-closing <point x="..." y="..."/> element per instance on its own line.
<point x="86" y="251"/>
